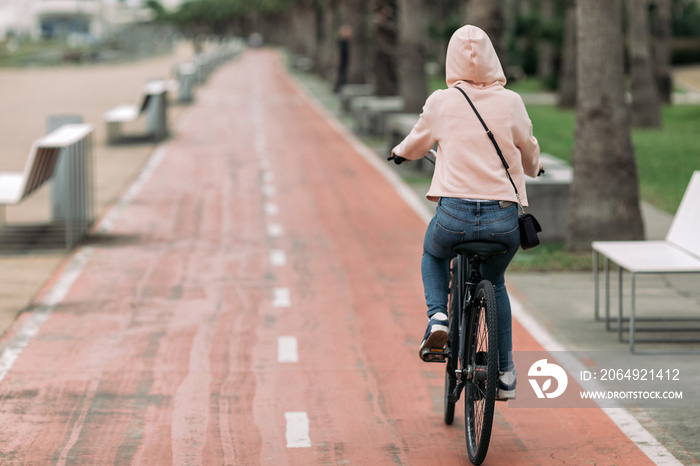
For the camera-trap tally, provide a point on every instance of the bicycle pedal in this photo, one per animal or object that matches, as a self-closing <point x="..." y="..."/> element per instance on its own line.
<point x="433" y="355"/>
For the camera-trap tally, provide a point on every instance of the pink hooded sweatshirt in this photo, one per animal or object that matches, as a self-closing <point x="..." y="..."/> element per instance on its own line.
<point x="467" y="165"/>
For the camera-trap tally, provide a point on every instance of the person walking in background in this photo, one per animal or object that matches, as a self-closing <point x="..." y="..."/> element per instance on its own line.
<point x="343" y="57"/>
<point x="475" y="199"/>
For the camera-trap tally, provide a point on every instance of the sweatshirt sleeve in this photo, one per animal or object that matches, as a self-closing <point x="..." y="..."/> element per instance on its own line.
<point x="421" y="139"/>
<point x="526" y="142"/>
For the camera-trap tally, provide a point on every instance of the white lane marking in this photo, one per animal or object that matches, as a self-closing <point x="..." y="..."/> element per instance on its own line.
<point x="297" y="430"/>
<point x="271" y="209"/>
<point x="269" y="190"/>
<point x="45" y="308"/>
<point x="275" y="230"/>
<point x="625" y="421"/>
<point x="287" y="349"/>
<point x="281" y="297"/>
<point x="268" y="176"/>
<point x="278" y="258"/>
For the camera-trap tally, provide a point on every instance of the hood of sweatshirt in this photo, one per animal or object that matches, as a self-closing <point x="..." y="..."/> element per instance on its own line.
<point x="471" y="58"/>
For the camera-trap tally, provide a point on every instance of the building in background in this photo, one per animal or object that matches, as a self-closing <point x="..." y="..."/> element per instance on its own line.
<point x="86" y="19"/>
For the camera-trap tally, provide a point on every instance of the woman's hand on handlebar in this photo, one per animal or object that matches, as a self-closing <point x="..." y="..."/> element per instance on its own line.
<point x="396" y="159"/>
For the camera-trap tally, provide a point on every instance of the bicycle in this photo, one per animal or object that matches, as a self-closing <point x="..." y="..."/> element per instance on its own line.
<point x="471" y="352"/>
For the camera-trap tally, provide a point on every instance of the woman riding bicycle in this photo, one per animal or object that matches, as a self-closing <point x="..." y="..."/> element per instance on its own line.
<point x="475" y="199"/>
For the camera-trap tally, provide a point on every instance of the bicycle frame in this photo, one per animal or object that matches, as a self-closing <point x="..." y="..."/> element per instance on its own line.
<point x="461" y="269"/>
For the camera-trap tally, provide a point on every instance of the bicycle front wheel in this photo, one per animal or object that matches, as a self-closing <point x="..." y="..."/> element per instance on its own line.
<point x="482" y="362"/>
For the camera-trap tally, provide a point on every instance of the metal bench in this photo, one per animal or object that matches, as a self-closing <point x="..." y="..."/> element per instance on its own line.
<point x="678" y="253"/>
<point x="75" y="205"/>
<point x="351" y="91"/>
<point x="370" y="113"/>
<point x="152" y="101"/>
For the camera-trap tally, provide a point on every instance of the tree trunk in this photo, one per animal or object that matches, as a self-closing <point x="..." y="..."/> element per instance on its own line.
<point x="303" y="22"/>
<point x="604" y="200"/>
<point x="384" y="41"/>
<point x="325" y="64"/>
<point x="488" y="15"/>
<point x="413" y="30"/>
<point x="354" y="14"/>
<point x="567" y="76"/>
<point x="661" y="32"/>
<point x="646" y="108"/>
<point x="545" y="62"/>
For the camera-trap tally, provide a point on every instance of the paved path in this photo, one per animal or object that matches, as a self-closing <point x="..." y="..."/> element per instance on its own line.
<point x="256" y="300"/>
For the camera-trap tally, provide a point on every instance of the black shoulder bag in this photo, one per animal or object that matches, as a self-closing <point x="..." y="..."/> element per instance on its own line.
<point x="529" y="226"/>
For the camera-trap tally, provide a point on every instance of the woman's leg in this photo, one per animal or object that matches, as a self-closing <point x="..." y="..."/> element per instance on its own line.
<point x="436" y="282"/>
<point x="435" y="265"/>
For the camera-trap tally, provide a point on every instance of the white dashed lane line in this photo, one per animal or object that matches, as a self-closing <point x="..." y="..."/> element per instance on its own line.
<point x="287" y="349"/>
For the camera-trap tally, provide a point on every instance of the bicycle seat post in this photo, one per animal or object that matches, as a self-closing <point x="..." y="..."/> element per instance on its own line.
<point x="478" y="252"/>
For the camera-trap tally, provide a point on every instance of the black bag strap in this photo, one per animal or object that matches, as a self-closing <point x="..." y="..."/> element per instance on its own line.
<point x="495" y="144"/>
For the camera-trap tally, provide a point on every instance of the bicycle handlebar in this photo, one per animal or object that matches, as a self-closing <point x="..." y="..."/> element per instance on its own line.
<point x="430" y="157"/>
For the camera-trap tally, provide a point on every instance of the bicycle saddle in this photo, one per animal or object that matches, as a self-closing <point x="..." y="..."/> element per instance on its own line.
<point x="480" y="249"/>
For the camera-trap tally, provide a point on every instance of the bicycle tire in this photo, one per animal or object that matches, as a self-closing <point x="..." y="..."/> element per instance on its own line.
<point x="482" y="354"/>
<point x="452" y="344"/>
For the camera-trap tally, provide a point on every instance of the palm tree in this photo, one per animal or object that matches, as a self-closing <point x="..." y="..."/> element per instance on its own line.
<point x="413" y="32"/>
<point x="384" y="42"/>
<point x="646" y="106"/>
<point x="567" y="73"/>
<point x="604" y="200"/>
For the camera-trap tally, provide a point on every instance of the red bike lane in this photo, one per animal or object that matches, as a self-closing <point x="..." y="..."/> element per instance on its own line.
<point x="257" y="301"/>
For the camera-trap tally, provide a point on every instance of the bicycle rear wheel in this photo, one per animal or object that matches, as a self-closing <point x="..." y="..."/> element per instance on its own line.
<point x="482" y="359"/>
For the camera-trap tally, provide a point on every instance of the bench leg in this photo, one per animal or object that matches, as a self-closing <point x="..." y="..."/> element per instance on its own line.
<point x="633" y="311"/>
<point x="619" y="314"/>
<point x="113" y="131"/>
<point x="596" y="294"/>
<point x="606" y="268"/>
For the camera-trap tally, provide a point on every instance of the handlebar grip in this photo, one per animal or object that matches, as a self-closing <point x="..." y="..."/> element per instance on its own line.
<point x="396" y="159"/>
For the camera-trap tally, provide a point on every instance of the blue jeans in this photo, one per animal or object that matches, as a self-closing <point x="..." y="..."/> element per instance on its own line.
<point x="458" y="220"/>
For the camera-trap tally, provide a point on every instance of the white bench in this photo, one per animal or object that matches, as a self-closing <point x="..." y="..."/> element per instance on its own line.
<point x="370" y="113"/>
<point x="678" y="253"/>
<point x="152" y="101"/>
<point x="76" y="202"/>
<point x="350" y="91"/>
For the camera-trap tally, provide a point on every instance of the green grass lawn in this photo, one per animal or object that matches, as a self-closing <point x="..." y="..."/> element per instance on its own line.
<point x="666" y="157"/>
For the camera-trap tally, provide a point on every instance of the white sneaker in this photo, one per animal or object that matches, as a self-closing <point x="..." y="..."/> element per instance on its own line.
<point x="506" y="385"/>
<point x="436" y="334"/>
